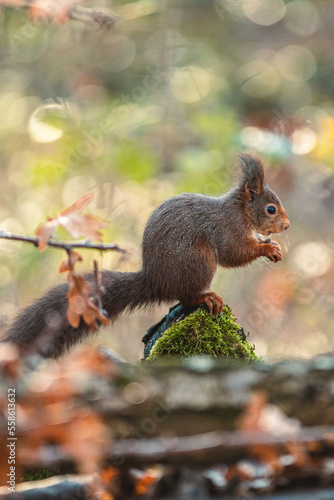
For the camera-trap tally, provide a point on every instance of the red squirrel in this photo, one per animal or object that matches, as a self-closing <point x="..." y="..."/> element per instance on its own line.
<point x="184" y="241"/>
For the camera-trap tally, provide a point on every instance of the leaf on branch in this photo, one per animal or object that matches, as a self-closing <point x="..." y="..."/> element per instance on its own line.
<point x="80" y="304"/>
<point x="73" y="221"/>
<point x="69" y="263"/>
<point x="44" y="232"/>
<point x="93" y="313"/>
<point x="82" y="225"/>
<point x="82" y="301"/>
<point x="78" y="205"/>
<point x="78" y="224"/>
<point x="78" y="298"/>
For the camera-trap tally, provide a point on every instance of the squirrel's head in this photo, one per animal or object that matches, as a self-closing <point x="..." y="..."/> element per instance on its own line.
<point x="261" y="204"/>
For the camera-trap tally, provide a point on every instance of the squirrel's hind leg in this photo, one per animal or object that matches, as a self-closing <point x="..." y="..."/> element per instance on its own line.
<point x="214" y="302"/>
<point x="201" y="268"/>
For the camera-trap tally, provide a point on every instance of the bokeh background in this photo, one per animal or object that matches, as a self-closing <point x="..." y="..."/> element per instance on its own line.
<point x="159" y="105"/>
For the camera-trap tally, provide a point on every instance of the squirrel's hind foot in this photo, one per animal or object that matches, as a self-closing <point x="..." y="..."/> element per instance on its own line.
<point x="214" y="302"/>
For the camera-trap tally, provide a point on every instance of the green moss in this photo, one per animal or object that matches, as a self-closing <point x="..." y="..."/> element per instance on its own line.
<point x="202" y="333"/>
<point x="39" y="475"/>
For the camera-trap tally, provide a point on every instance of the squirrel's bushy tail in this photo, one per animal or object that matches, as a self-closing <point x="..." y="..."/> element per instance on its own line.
<point x="43" y="327"/>
<point x="124" y="291"/>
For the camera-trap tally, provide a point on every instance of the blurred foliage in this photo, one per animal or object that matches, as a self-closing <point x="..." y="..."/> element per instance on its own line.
<point x="159" y="105"/>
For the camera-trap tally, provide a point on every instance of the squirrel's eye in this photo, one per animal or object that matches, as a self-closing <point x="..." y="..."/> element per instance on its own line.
<point x="271" y="210"/>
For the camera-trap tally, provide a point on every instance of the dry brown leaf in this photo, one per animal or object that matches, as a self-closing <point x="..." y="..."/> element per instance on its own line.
<point x="73" y="316"/>
<point x="69" y="263"/>
<point x="72" y="221"/>
<point x="78" y="224"/>
<point x="44" y="232"/>
<point x="81" y="304"/>
<point x="93" y="313"/>
<point x="78" y="286"/>
<point x="82" y="225"/>
<point x="78" y="205"/>
<point x="78" y="298"/>
<point x="89" y="315"/>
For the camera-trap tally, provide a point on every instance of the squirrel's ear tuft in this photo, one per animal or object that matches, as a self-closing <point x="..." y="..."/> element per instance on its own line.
<point x="252" y="168"/>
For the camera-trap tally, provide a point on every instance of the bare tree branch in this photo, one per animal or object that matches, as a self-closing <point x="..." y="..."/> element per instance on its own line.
<point x="63" y="245"/>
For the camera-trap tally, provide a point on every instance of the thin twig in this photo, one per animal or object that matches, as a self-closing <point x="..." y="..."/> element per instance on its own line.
<point x="64" y="245"/>
<point x="98" y="285"/>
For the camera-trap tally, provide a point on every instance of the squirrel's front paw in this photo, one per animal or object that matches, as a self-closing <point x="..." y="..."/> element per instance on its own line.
<point x="273" y="251"/>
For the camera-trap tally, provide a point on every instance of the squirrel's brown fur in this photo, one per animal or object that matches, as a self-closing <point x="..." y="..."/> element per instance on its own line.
<point x="184" y="241"/>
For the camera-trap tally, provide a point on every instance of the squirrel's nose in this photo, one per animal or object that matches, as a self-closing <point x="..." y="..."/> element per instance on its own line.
<point x="287" y="225"/>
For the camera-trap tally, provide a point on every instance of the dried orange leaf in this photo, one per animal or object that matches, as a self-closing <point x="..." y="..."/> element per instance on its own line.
<point x="73" y="317"/>
<point x="69" y="263"/>
<point x="78" y="224"/>
<point x="64" y="266"/>
<point x="78" y="301"/>
<point x="78" y="205"/>
<point x="93" y="313"/>
<point x="78" y="286"/>
<point x="80" y="304"/>
<point x="89" y="317"/>
<point x="44" y="232"/>
<point x="74" y="222"/>
<point x="82" y="225"/>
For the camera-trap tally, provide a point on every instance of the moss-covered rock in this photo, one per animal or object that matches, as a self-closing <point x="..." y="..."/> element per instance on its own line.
<point x="201" y="333"/>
